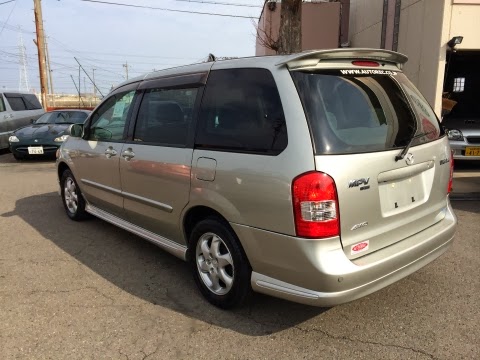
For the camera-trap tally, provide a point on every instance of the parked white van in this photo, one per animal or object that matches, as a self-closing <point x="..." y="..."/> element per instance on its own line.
<point x="16" y="110"/>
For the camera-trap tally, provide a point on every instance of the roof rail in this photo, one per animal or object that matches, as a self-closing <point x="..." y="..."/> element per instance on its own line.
<point x="313" y="57"/>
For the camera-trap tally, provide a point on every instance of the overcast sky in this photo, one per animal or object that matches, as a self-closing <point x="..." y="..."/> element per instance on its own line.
<point x="103" y="37"/>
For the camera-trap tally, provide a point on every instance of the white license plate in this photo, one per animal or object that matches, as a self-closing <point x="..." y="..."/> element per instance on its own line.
<point x="35" y="150"/>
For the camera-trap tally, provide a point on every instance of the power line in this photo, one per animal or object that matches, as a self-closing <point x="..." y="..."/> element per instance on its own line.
<point x="8" y="18"/>
<point x="220" y="3"/>
<point x="171" y="10"/>
<point x="6" y="2"/>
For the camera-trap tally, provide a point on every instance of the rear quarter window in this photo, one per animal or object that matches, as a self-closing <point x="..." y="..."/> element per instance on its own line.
<point x="241" y="111"/>
<point x="31" y="102"/>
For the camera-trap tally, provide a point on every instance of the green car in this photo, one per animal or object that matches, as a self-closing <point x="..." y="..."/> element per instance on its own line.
<point x="44" y="136"/>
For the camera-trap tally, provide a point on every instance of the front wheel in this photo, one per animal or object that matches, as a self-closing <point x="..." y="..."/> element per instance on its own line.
<point x="17" y="157"/>
<point x="72" y="198"/>
<point x="221" y="268"/>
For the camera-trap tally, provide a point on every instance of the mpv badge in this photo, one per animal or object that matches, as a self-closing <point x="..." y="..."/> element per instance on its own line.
<point x="409" y="159"/>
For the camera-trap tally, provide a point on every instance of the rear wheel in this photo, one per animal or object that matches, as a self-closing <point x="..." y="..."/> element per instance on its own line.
<point x="73" y="201"/>
<point x="221" y="268"/>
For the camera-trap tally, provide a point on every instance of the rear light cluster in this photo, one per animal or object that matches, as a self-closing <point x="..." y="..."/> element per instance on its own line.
<point x="365" y="63"/>
<point x="450" y="180"/>
<point x="315" y="205"/>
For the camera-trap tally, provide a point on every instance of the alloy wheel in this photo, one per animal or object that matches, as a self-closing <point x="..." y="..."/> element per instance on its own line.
<point x="215" y="263"/>
<point x="71" y="196"/>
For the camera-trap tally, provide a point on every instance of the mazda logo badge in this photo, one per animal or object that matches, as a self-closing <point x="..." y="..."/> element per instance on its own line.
<point x="409" y="159"/>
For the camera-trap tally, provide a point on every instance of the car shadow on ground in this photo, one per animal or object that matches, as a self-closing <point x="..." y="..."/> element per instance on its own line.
<point x="147" y="272"/>
<point x="469" y="206"/>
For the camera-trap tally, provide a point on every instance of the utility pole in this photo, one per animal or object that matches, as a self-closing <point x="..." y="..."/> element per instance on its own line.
<point x="89" y="78"/>
<point x="126" y="68"/>
<point x="41" y="51"/>
<point x="79" y="87"/>
<point x="50" y="86"/>
<point x="94" y="87"/>
<point x="23" y="66"/>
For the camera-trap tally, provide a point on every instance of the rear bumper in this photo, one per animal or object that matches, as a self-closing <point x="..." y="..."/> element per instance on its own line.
<point x="458" y="148"/>
<point x="317" y="272"/>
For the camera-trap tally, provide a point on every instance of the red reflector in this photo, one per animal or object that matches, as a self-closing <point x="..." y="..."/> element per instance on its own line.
<point x="450" y="181"/>
<point x="315" y="205"/>
<point x="365" y="63"/>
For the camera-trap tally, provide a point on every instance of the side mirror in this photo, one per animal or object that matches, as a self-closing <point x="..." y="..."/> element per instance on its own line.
<point x="76" y="130"/>
<point x="32" y="121"/>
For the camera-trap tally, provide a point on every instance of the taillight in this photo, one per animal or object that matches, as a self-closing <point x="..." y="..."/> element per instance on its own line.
<point x="315" y="205"/>
<point x="450" y="181"/>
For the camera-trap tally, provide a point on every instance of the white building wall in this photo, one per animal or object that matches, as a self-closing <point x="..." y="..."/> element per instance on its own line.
<point x="465" y="21"/>
<point x="365" y="29"/>
<point x="420" y="38"/>
<point x="425" y="28"/>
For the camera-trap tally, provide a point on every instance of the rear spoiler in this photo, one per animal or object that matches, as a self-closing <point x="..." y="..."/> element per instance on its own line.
<point x="313" y="57"/>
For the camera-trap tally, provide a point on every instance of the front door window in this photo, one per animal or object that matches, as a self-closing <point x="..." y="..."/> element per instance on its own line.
<point x="108" y="122"/>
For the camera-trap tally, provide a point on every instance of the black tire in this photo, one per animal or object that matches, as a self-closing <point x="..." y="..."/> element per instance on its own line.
<point x="73" y="201"/>
<point x="225" y="296"/>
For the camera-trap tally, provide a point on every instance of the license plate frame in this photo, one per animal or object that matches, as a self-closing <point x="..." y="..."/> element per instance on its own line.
<point x="472" y="151"/>
<point x="35" y="150"/>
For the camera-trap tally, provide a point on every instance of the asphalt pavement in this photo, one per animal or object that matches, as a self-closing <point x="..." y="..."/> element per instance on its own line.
<point x="88" y="290"/>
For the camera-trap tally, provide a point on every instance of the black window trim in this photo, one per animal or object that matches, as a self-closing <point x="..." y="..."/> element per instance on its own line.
<point x="173" y="81"/>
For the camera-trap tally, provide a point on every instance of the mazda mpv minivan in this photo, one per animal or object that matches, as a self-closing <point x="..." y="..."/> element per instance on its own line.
<point x="317" y="177"/>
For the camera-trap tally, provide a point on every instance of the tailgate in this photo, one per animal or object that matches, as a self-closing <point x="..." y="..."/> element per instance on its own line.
<point x="383" y="201"/>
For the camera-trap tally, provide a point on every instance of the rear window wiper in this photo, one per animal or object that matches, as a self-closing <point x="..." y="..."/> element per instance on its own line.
<point x="406" y="148"/>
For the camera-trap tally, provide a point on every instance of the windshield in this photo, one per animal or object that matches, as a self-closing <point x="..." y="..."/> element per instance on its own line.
<point x="62" y="117"/>
<point x="363" y="113"/>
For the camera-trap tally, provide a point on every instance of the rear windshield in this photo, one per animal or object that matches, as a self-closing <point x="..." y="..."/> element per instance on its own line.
<point x="364" y="113"/>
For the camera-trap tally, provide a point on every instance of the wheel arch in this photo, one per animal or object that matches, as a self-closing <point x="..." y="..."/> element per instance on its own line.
<point x="61" y="167"/>
<point x="198" y="213"/>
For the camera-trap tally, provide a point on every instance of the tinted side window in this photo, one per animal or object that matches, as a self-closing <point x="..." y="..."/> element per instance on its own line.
<point x="2" y="104"/>
<point x="108" y="122"/>
<point x="16" y="103"/>
<point x="165" y="116"/>
<point x="241" y="111"/>
<point x="31" y="102"/>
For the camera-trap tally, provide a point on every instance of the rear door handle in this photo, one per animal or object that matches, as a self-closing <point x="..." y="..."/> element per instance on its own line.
<point x="110" y="152"/>
<point x="128" y="154"/>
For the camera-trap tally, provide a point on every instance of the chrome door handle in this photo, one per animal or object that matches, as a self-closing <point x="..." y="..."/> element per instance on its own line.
<point x="128" y="154"/>
<point x="110" y="152"/>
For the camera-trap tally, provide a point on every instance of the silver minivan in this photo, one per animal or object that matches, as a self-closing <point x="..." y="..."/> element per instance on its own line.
<point x="317" y="177"/>
<point x="17" y="109"/>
